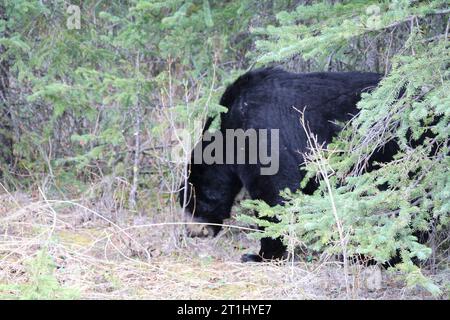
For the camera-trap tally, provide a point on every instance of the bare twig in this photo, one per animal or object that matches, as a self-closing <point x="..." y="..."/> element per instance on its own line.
<point x="318" y="157"/>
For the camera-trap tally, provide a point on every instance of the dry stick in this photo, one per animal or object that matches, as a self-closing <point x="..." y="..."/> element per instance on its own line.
<point x="123" y="230"/>
<point x="137" y="152"/>
<point x="186" y="169"/>
<point x="168" y="114"/>
<point x="9" y="194"/>
<point x="187" y="152"/>
<point x="103" y="218"/>
<point x="132" y="201"/>
<point x="52" y="230"/>
<point x="319" y="159"/>
<point x="176" y="223"/>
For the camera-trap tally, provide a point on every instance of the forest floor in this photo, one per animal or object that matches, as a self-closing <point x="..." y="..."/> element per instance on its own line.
<point x="61" y="249"/>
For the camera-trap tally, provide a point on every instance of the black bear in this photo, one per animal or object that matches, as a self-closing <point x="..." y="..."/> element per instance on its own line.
<point x="268" y="99"/>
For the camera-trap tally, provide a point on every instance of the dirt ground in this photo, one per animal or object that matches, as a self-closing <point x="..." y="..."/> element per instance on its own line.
<point x="62" y="249"/>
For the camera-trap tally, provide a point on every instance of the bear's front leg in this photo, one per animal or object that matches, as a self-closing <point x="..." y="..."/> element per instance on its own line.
<point x="271" y="249"/>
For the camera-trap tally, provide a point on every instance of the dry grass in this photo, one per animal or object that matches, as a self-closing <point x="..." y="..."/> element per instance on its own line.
<point x="143" y="258"/>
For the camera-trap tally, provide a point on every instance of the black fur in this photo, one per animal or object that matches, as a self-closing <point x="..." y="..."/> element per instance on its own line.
<point x="265" y="99"/>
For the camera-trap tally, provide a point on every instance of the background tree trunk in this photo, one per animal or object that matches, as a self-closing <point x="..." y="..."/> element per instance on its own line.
<point x="5" y="115"/>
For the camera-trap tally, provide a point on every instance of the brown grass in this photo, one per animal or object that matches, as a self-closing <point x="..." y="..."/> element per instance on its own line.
<point x="143" y="258"/>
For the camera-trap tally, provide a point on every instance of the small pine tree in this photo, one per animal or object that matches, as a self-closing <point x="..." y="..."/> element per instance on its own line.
<point x="381" y="212"/>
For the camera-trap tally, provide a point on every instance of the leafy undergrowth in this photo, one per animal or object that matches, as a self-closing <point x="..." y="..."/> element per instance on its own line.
<point x="63" y="250"/>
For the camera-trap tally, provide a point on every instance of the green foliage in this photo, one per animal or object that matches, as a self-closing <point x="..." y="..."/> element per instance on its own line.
<point x="41" y="284"/>
<point x="321" y="30"/>
<point x="81" y="95"/>
<point x="414" y="276"/>
<point x="383" y="211"/>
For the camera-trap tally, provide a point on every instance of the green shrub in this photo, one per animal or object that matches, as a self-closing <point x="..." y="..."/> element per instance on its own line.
<point x="41" y="283"/>
<point x="381" y="212"/>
